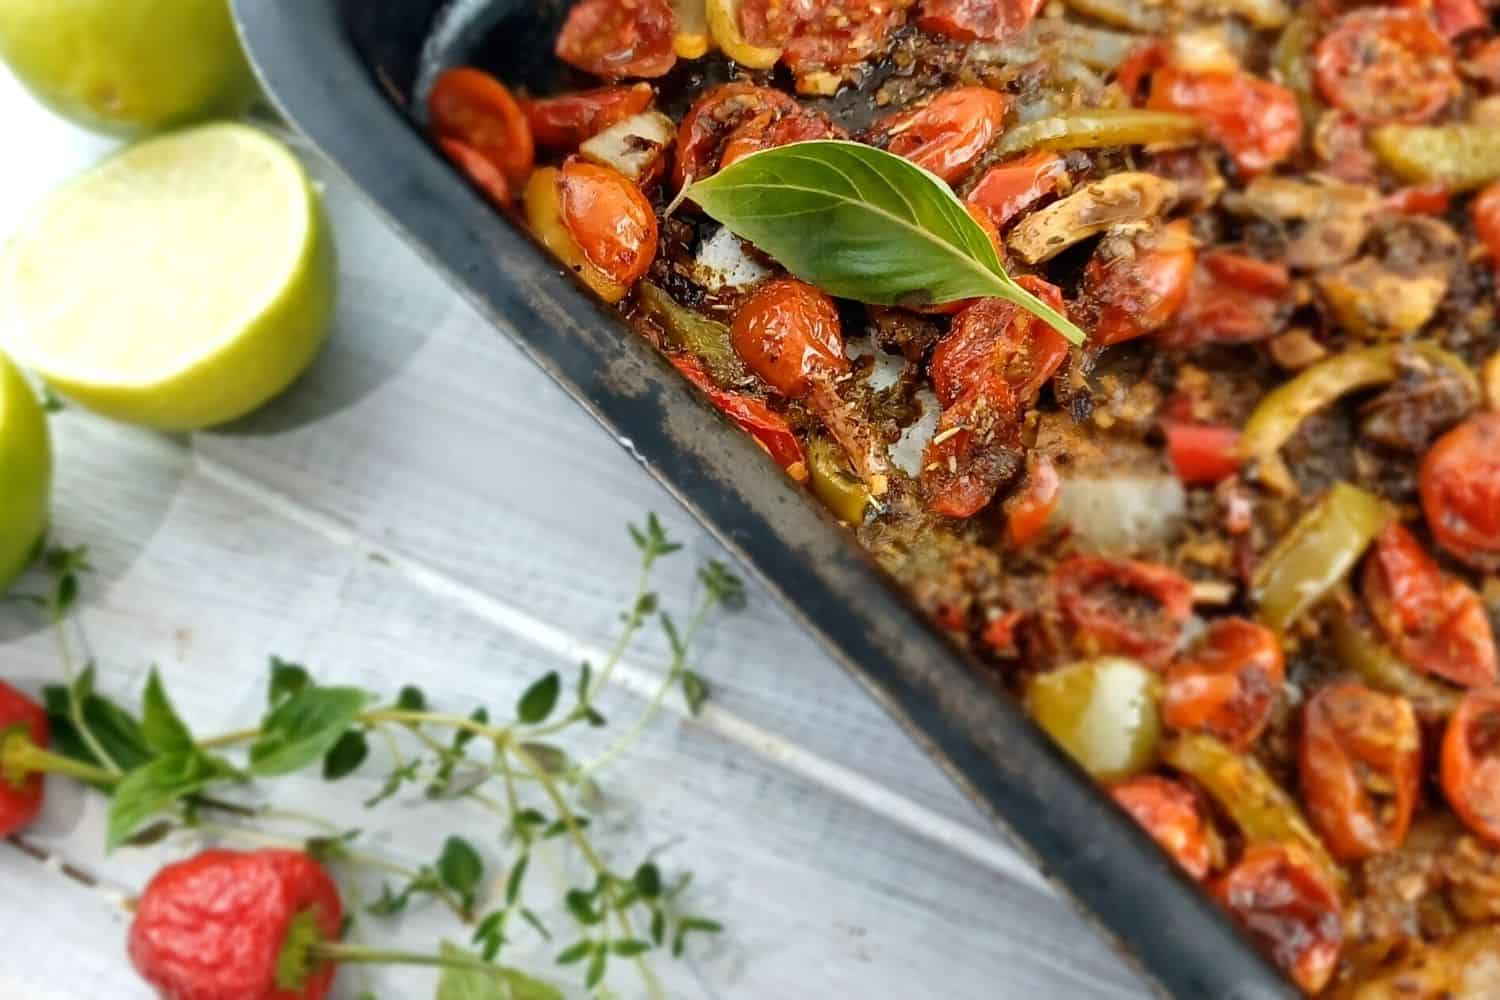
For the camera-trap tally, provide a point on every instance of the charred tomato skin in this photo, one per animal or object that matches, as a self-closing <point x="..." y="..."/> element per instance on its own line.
<point x="615" y="39"/>
<point x="1287" y="906"/>
<point x="1227" y="685"/>
<point x="1360" y="760"/>
<point x="1470" y="769"/>
<point x="1122" y="607"/>
<point x="1460" y="490"/>
<point x="1170" y="812"/>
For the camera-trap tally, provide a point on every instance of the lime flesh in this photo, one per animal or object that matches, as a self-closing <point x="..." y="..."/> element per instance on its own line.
<point x="178" y="285"/>
<point x="25" y="473"/>
<point x="128" y="66"/>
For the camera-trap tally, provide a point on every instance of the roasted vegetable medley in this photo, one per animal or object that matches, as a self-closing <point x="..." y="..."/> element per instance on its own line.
<point x="1238" y="550"/>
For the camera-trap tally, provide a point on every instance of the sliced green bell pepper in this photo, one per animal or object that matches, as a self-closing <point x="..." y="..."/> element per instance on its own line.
<point x="1317" y="554"/>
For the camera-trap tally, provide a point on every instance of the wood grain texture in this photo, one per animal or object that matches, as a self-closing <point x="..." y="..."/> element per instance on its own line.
<point x="424" y="506"/>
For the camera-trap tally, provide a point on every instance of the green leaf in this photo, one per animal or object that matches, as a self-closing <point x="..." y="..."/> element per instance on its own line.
<point x="687" y="926"/>
<point x="303" y="728"/>
<point x="517" y="876"/>
<point x="597" y="965"/>
<point x="694" y="691"/>
<point x="162" y="727"/>
<point x="539" y="700"/>
<point x="460" y="866"/>
<point x="154" y="787"/>
<point x="346" y="756"/>
<point x="498" y="983"/>
<point x="629" y="948"/>
<point x="536" y="923"/>
<point x="864" y="224"/>
<point x="575" y="952"/>
<point x="287" y="679"/>
<point x="411" y="699"/>
<point x="115" y="729"/>
<point x="648" y="880"/>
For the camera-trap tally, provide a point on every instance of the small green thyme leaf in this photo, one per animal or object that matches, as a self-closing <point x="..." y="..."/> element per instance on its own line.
<point x="539" y="700"/>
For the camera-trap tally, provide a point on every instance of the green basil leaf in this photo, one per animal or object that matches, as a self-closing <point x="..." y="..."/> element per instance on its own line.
<point x="154" y="787"/>
<point x="346" y="756"/>
<point x="498" y="983"/>
<point x="460" y="866"/>
<point x="539" y="700"/>
<point x="162" y="727"/>
<point x="304" y="728"/>
<point x="864" y="224"/>
<point x="115" y="729"/>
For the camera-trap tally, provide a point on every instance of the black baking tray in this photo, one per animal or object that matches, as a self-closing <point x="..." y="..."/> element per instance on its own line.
<point x="346" y="72"/>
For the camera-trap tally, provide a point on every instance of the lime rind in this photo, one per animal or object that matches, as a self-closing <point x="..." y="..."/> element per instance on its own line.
<point x="25" y="473"/>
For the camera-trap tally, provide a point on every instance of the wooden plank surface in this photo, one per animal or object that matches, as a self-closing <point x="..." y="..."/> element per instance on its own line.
<point x="425" y="507"/>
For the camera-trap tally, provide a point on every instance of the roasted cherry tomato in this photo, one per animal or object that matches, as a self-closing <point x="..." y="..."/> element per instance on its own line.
<point x="485" y="175"/>
<point x="1202" y="454"/>
<point x="1232" y="299"/>
<point x="1027" y="513"/>
<point x="814" y="34"/>
<point x="1256" y="121"/>
<point x="753" y="416"/>
<point x="1122" y="607"/>
<point x="789" y="334"/>
<point x="717" y="114"/>
<point x="1384" y="66"/>
<point x="1360" y="762"/>
<point x="1434" y="622"/>
<point x="977" y="20"/>
<point x="1169" y="811"/>
<point x="1135" y="71"/>
<point x="995" y="336"/>
<point x="566" y="122"/>
<point x="1453" y="17"/>
<point x="1128" y="295"/>
<point x="474" y="108"/>
<point x="1460" y="486"/>
<point x="1227" y="685"/>
<point x="1286" y="904"/>
<point x="612" y="221"/>
<point x="947" y="135"/>
<point x="1486" y="213"/>
<point x="619" y="38"/>
<point x="976" y="450"/>
<point x="1010" y="188"/>
<point x="773" y="128"/>
<point x="1471" y="762"/>
<point x="1420" y="199"/>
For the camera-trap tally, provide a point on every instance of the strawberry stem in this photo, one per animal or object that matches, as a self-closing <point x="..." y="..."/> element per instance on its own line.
<point x="20" y="758"/>
<point x="353" y="954"/>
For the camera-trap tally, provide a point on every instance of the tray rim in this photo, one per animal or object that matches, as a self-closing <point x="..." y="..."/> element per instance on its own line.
<point x="1049" y="809"/>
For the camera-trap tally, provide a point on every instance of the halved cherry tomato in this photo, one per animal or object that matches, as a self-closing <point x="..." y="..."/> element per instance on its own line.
<point x="544" y="215"/>
<point x="1169" y="811"/>
<point x="1233" y="299"/>
<point x="1360" y="762"/>
<point x="977" y="20"/>
<point x="1454" y="17"/>
<point x="619" y="38"/>
<point x="995" y="336"/>
<point x="1010" y="188"/>
<point x="770" y="129"/>
<point x="1128" y="295"/>
<point x="789" y="334"/>
<point x="1027" y="513"/>
<point x="753" y="416"/>
<point x="1434" y="622"/>
<point x="566" y="122"/>
<point x="1122" y="607"/>
<point x="1471" y="762"/>
<point x="976" y="449"/>
<point x="1202" y="454"/>
<point x="1286" y="904"/>
<point x="820" y="35"/>
<point x="474" y="108"/>
<point x="485" y="175"/>
<point x="948" y="134"/>
<point x="1486" y="213"/>
<point x="1227" y="685"/>
<point x="1385" y="66"/>
<point x="1460" y="487"/>
<point x="1257" y="122"/>
<point x="612" y="221"/>
<point x="1421" y="199"/>
<point x="716" y="115"/>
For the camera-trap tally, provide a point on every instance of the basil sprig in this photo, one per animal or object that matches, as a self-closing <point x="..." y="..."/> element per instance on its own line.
<point x="864" y="224"/>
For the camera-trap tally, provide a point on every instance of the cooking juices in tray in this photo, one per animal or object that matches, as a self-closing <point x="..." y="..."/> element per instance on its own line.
<point x="1236" y="548"/>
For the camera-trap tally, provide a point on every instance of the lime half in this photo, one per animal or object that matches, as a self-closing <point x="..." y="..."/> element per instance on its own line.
<point x="25" y="473"/>
<point x="180" y="284"/>
<point x="128" y="66"/>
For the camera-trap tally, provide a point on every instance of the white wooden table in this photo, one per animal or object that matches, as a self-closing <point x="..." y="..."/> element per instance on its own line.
<point x="425" y="506"/>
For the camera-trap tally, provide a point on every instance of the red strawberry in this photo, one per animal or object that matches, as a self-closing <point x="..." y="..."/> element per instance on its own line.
<point x="232" y="925"/>
<point x="23" y="725"/>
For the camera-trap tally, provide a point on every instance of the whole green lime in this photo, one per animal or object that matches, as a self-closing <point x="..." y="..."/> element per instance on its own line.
<point x="25" y="473"/>
<point x="128" y="66"/>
